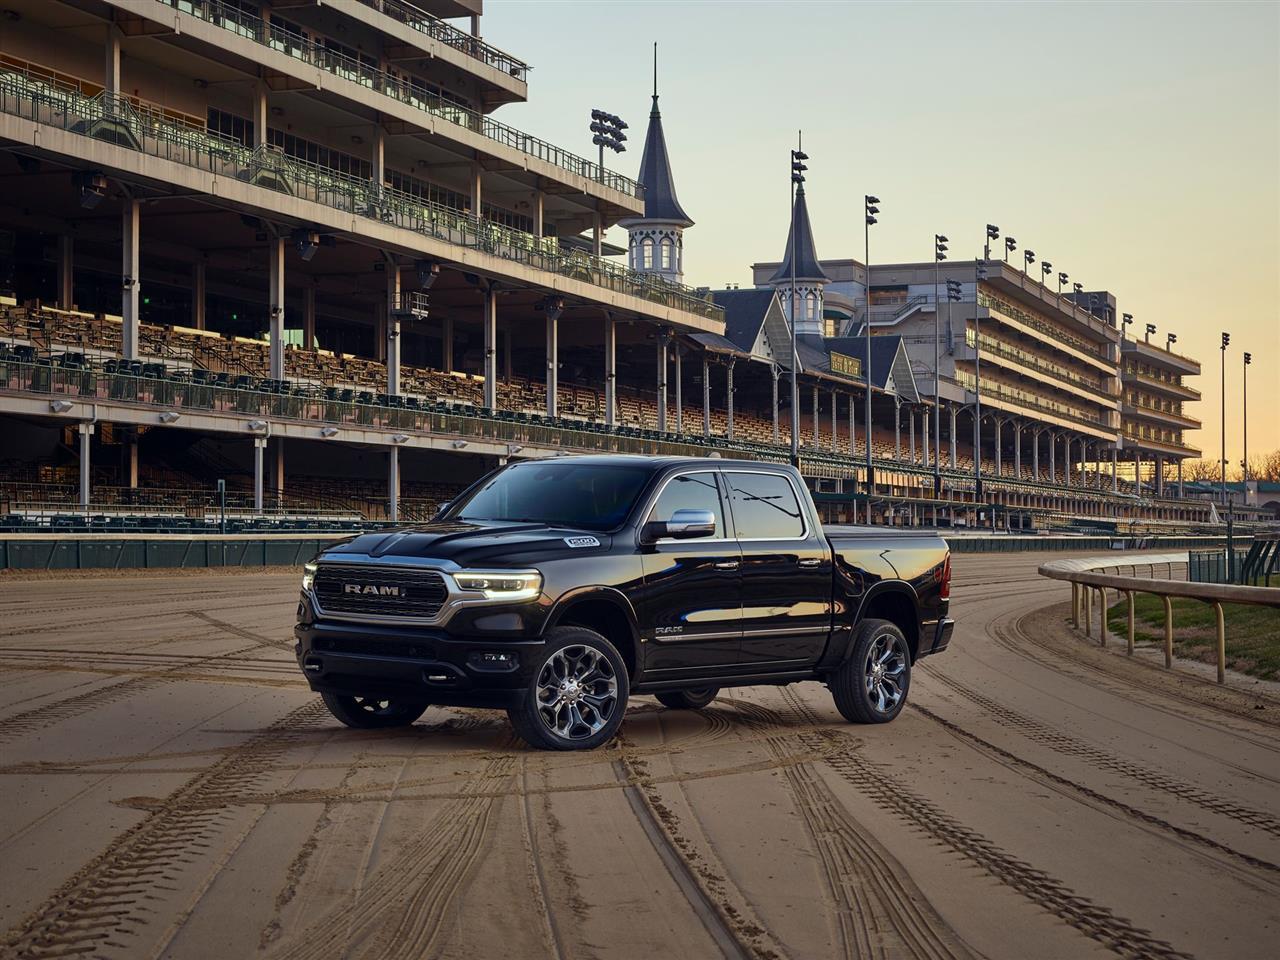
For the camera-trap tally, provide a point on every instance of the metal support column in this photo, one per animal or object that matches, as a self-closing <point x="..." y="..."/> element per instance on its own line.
<point x="199" y="294"/>
<point x="86" y="433"/>
<point x="815" y="416"/>
<point x="1017" y="449"/>
<point x="835" y="423"/>
<point x="662" y="340"/>
<point x="610" y="371"/>
<point x="911" y="423"/>
<point x="853" y="425"/>
<point x="130" y="282"/>
<point x="1053" y="466"/>
<point x="275" y="299"/>
<point x="679" y="357"/>
<point x="446" y="345"/>
<point x="490" y="347"/>
<point x="774" y="369"/>
<point x="706" y="396"/>
<point x="1159" y="476"/>
<point x="393" y="484"/>
<point x="66" y="271"/>
<point x="553" y="363"/>
<point x="999" y="446"/>
<point x="259" y="447"/>
<point x="393" y="328"/>
<point x="955" y="456"/>
<point x="728" y="391"/>
<point x="897" y="429"/>
<point x="309" y="318"/>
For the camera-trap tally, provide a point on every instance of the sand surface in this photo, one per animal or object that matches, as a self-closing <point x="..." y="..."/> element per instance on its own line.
<point x="170" y="788"/>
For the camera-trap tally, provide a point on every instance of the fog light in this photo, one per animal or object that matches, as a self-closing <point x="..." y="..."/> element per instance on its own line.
<point x="495" y="660"/>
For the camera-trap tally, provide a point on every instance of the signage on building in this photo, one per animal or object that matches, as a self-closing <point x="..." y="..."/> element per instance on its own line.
<point x="849" y="366"/>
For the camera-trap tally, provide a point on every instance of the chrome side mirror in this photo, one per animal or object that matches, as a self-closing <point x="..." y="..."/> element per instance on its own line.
<point x="684" y="525"/>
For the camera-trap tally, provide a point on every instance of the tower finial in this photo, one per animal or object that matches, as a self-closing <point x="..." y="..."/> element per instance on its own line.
<point x="655" y="69"/>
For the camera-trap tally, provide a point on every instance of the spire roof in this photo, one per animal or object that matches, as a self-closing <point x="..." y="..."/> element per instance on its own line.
<point x="660" y="202"/>
<point x="807" y="266"/>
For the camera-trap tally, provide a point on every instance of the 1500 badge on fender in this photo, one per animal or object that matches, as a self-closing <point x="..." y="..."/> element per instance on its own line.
<point x="556" y="589"/>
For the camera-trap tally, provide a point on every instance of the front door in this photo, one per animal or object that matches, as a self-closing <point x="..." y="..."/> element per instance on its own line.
<point x="691" y="607"/>
<point x="786" y="572"/>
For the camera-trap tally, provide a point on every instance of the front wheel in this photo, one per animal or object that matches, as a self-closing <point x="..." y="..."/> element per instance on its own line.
<point x="694" y="699"/>
<point x="871" y="685"/>
<point x="578" y="695"/>
<point x="371" y="713"/>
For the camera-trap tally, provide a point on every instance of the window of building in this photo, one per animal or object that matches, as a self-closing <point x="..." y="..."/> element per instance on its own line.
<point x="646" y="253"/>
<point x="666" y="260"/>
<point x="228" y="125"/>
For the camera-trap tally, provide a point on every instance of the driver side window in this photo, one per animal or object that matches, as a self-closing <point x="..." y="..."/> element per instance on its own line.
<point x="690" y="491"/>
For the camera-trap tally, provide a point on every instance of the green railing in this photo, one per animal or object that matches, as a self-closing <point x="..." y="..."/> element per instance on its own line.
<point x="117" y="120"/>
<point x="1007" y="309"/>
<point x="1001" y="391"/>
<point x="448" y="34"/>
<point x="408" y="90"/>
<point x="990" y="345"/>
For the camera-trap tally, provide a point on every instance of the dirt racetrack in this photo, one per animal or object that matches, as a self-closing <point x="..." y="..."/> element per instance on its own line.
<point x="170" y="788"/>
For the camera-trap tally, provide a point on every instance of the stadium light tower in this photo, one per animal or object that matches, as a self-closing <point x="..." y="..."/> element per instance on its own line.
<point x="1226" y="342"/>
<point x="1010" y="245"/>
<point x="939" y="254"/>
<point x="1125" y="320"/>
<point x="1169" y="340"/>
<point x="1062" y="279"/>
<point x="606" y="130"/>
<point x="870" y="209"/>
<point x="1244" y="396"/>
<point x="1151" y="328"/>
<point x="1046" y="268"/>
<point x="979" y="274"/>
<point x="798" y="157"/>
<point x="1028" y="257"/>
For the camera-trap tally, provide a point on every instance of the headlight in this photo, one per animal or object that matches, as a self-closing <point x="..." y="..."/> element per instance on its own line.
<point x="501" y="585"/>
<point x="308" y="575"/>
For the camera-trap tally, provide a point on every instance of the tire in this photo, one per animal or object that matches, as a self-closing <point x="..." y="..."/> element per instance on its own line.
<point x="578" y="695"/>
<point x="863" y="693"/>
<point x="373" y="713"/>
<point x="694" y="699"/>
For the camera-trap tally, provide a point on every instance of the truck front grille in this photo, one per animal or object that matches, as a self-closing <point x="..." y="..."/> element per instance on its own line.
<point x="381" y="592"/>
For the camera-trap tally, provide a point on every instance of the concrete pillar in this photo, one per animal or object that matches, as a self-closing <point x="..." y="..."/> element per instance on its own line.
<point x="86" y="434"/>
<point x="259" y="446"/>
<point x="774" y="372"/>
<point x="111" y="63"/>
<point x="610" y="371"/>
<point x="597" y="233"/>
<point x="275" y="297"/>
<point x="66" y="271"/>
<point x="259" y="115"/>
<point x="706" y="396"/>
<point x="662" y="340"/>
<point x="477" y="191"/>
<point x="728" y="393"/>
<point x="309" y="318"/>
<point x="393" y="328"/>
<point x="490" y="321"/>
<point x="446" y="345"/>
<point x="1115" y="457"/>
<point x="199" y="294"/>
<point x="553" y="363"/>
<point x="679" y="392"/>
<point x="378" y="156"/>
<point x="130" y="278"/>
<point x="393" y="484"/>
<point x="537" y="213"/>
<point x="131" y="462"/>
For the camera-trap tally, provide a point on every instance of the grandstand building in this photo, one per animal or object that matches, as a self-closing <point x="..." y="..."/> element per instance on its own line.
<point x="1152" y="414"/>
<point x="289" y="245"/>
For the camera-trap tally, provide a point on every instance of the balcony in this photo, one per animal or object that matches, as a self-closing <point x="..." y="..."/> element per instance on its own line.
<point x="1172" y="389"/>
<point x="275" y="37"/>
<point x="1024" y="360"/>
<point x="1023" y="398"/>
<point x="148" y="131"/>
<point x="1149" y="412"/>
<point x="446" y="33"/>
<point x="1003" y="309"/>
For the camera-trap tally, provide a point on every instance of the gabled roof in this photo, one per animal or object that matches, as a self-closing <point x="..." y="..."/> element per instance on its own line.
<point x="890" y="365"/>
<point x="754" y="321"/>
<point x="660" y="201"/>
<point x="807" y="265"/>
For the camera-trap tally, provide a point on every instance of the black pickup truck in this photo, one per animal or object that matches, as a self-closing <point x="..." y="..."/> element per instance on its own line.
<point x="555" y="589"/>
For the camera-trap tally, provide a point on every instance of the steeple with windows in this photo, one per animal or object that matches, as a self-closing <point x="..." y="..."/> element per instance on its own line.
<point x="809" y="275"/>
<point x="655" y="241"/>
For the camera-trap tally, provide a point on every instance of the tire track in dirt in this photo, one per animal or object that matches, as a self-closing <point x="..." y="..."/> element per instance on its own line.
<point x="1042" y="733"/>
<point x="880" y="910"/>
<point x="400" y="910"/>
<point x="1096" y="921"/>
<point x="115" y="891"/>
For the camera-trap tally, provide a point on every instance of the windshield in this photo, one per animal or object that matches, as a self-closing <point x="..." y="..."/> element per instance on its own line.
<point x="590" y="496"/>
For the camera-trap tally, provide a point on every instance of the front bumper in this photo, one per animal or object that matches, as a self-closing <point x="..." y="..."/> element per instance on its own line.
<point x="443" y="669"/>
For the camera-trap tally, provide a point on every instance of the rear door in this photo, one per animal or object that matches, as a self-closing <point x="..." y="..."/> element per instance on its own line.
<point x="691" y="604"/>
<point x="786" y="571"/>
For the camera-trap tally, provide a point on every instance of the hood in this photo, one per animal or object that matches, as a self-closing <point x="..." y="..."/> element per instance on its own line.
<point x="468" y="544"/>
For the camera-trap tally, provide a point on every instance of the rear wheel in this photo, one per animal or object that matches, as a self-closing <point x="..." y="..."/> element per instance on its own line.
<point x="368" y="713"/>
<point x="694" y="699"/>
<point x="871" y="685"/>
<point x="578" y="695"/>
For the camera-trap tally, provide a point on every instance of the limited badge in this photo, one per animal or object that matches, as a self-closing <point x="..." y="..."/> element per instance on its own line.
<point x="582" y="541"/>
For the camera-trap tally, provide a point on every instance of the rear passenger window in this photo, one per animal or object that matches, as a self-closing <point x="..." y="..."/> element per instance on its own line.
<point x="691" y="491"/>
<point x="765" y="507"/>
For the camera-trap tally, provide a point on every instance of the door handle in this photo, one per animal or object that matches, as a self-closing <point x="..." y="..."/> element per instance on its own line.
<point x="810" y="561"/>
<point x="727" y="565"/>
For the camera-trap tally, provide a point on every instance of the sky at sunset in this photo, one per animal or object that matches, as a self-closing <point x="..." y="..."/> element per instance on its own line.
<point x="1135" y="145"/>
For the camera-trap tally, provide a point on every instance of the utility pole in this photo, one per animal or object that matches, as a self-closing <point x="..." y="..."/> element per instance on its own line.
<point x="871" y="211"/>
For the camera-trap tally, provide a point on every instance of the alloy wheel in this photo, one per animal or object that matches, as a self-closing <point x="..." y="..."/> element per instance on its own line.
<point x="577" y="692"/>
<point x="883" y="672"/>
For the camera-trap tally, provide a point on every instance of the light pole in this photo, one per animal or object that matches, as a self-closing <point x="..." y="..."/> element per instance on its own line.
<point x="798" y="157"/>
<point x="1062" y="278"/>
<point x="1010" y="245"/>
<point x="1244" y="396"/>
<point x="1226" y="342"/>
<point x="870" y="210"/>
<point x="1077" y="292"/>
<point x="1151" y="328"/>
<point x="1125" y="320"/>
<point x="1169" y="340"/>
<point x="1028" y="257"/>
<point x="606" y="131"/>
<point x="979" y="274"/>
<point x="1046" y="268"/>
<point x="939" y="254"/>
